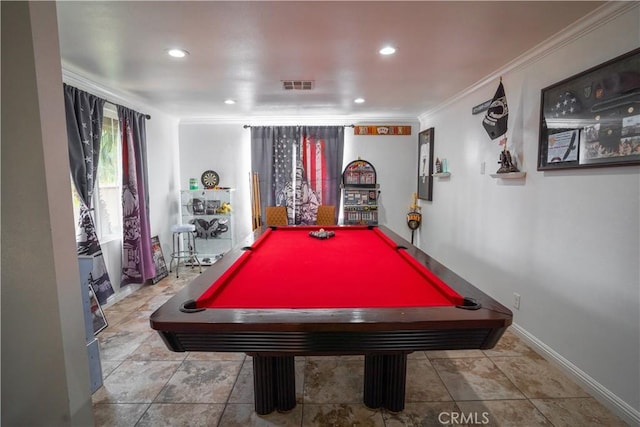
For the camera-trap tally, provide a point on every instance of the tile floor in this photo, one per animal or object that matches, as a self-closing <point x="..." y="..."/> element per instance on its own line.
<point x="147" y="385"/>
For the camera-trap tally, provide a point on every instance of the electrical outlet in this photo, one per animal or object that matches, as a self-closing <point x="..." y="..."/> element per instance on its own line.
<point x="482" y="167"/>
<point x="516" y="301"/>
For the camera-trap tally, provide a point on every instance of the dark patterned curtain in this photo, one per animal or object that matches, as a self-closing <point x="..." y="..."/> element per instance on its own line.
<point x="84" y="114"/>
<point x="298" y="167"/>
<point x="137" y="254"/>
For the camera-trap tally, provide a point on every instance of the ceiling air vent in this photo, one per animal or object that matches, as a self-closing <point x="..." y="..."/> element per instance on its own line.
<point x="297" y="84"/>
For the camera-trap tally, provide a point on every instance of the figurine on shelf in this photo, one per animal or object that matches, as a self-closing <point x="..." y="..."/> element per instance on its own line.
<point x="506" y="162"/>
<point x="438" y="165"/>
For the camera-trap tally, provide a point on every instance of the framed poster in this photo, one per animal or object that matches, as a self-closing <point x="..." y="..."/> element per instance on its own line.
<point x="158" y="260"/>
<point x="425" y="164"/>
<point x="592" y="119"/>
<point x="98" y="319"/>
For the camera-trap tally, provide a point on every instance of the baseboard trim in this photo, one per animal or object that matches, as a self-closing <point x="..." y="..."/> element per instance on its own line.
<point x="597" y="390"/>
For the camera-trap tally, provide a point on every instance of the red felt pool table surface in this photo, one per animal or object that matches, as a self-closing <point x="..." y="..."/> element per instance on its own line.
<point x="359" y="267"/>
<point x="364" y="291"/>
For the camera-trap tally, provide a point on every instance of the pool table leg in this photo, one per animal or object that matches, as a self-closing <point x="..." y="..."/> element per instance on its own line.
<point x="385" y="378"/>
<point x="274" y="383"/>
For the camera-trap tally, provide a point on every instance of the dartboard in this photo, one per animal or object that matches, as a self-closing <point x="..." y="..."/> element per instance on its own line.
<point x="210" y="179"/>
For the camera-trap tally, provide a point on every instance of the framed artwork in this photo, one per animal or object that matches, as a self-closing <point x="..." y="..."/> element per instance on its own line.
<point x="592" y="119"/>
<point x="425" y="164"/>
<point x="158" y="260"/>
<point x="98" y="319"/>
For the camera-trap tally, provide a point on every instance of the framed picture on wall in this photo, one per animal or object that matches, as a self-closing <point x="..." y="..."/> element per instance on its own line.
<point x="425" y="164"/>
<point x="98" y="319"/>
<point x="158" y="260"/>
<point x="593" y="118"/>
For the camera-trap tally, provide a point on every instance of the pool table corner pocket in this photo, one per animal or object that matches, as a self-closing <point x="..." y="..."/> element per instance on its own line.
<point x="189" y="306"/>
<point x="469" y="304"/>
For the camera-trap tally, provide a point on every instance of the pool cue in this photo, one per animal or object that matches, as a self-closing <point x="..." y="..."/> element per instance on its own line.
<point x="258" y="201"/>
<point x="253" y="202"/>
<point x="255" y="206"/>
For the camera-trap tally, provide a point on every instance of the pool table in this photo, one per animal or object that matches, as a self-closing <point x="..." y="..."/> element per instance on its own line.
<point x="365" y="290"/>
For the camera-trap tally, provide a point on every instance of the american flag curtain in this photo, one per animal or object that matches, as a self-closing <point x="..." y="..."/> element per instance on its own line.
<point x="299" y="167"/>
<point x="84" y="113"/>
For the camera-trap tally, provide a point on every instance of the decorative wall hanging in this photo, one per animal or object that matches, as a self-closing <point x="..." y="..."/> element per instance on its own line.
<point x="210" y="179"/>
<point x="425" y="164"/>
<point x="414" y="217"/>
<point x="381" y="130"/>
<point x="592" y="119"/>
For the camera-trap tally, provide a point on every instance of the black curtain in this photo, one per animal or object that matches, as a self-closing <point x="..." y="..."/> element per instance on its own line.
<point x="84" y="113"/>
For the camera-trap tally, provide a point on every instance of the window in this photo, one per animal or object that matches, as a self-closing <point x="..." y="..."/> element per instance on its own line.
<point x="107" y="195"/>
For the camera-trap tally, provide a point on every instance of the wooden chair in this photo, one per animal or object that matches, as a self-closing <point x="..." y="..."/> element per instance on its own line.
<point x="276" y="215"/>
<point x="326" y="215"/>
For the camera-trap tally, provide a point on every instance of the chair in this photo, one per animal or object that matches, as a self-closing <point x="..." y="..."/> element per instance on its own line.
<point x="276" y="215"/>
<point x="188" y="251"/>
<point x="326" y="215"/>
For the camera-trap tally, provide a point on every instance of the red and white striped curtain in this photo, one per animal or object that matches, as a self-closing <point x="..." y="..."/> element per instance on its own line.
<point x="322" y="151"/>
<point x="315" y="165"/>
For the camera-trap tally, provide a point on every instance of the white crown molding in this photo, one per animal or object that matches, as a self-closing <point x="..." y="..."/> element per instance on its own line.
<point x="299" y="120"/>
<point x="110" y="95"/>
<point x="600" y="392"/>
<point x="584" y="25"/>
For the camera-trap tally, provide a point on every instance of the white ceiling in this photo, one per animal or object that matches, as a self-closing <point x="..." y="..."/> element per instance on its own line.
<point x="242" y="50"/>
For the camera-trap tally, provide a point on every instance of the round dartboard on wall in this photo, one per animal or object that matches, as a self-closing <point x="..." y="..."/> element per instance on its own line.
<point x="210" y="179"/>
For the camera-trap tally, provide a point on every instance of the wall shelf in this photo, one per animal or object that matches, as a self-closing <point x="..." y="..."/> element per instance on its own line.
<point x="509" y="175"/>
<point x="442" y="174"/>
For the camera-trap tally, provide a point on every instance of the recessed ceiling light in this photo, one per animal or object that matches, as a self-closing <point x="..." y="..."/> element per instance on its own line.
<point x="387" y="50"/>
<point x="177" y="53"/>
<point x="358" y="100"/>
<point x="229" y="101"/>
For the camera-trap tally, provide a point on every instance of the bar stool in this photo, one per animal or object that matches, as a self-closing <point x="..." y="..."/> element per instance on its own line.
<point x="189" y="250"/>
